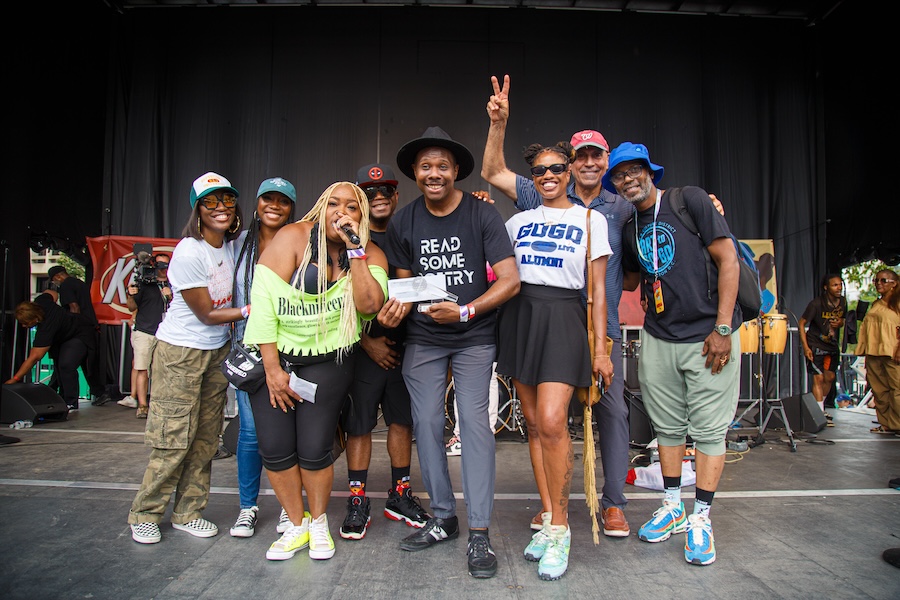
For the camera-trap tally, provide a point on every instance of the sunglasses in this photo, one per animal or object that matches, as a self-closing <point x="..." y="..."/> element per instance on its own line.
<point x="161" y="265"/>
<point x="211" y="201"/>
<point x="372" y="191"/>
<point x="885" y="280"/>
<point x="557" y="169"/>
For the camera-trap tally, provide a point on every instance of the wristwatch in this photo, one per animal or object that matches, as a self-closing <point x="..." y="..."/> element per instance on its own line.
<point x="724" y="330"/>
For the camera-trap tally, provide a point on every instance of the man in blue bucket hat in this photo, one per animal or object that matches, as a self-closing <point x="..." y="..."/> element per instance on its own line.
<point x="690" y="355"/>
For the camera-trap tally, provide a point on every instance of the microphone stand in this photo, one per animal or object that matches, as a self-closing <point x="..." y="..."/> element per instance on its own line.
<point x="4" y="439"/>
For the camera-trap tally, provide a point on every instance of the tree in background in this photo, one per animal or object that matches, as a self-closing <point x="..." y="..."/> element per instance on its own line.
<point x="72" y="267"/>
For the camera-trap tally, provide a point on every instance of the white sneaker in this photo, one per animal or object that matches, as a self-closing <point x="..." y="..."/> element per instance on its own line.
<point x="454" y="449"/>
<point x="321" y="546"/>
<point x="245" y="526"/>
<point x="284" y="522"/>
<point x="145" y="533"/>
<point x="128" y="402"/>
<point x="198" y="528"/>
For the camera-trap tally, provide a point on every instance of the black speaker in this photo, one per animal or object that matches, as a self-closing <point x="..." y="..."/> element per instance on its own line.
<point x="639" y="426"/>
<point x="31" y="402"/>
<point x="802" y="412"/>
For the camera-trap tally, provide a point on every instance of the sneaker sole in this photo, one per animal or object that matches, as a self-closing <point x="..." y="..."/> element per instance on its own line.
<point x="284" y="555"/>
<point x="395" y="516"/>
<point x="483" y="573"/>
<point x="196" y="533"/>
<point x="145" y="539"/>
<point x="321" y="554"/>
<point x="550" y="576"/>
<point x="243" y="532"/>
<point x="699" y="561"/>
<point x="353" y="535"/>
<point x="668" y="534"/>
<point x="533" y="557"/>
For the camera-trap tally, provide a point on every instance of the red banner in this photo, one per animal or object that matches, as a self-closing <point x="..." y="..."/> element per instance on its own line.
<point x="113" y="259"/>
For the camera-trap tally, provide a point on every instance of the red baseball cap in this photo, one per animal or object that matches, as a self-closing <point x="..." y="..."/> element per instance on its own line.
<point x="589" y="137"/>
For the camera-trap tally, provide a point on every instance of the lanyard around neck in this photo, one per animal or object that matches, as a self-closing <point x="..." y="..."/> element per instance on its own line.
<point x="655" y="248"/>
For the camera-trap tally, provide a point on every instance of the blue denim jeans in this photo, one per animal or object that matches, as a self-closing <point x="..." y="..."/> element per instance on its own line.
<point x="249" y="462"/>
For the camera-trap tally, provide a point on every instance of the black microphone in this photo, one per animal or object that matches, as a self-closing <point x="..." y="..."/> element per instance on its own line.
<point x="354" y="239"/>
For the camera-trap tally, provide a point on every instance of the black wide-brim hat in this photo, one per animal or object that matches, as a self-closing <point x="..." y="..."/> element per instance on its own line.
<point x="435" y="137"/>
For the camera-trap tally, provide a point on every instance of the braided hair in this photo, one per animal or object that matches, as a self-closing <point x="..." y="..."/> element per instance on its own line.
<point x="317" y="246"/>
<point x="564" y="149"/>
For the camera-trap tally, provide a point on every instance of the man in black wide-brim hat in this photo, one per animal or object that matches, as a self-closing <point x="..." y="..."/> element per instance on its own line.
<point x="450" y="236"/>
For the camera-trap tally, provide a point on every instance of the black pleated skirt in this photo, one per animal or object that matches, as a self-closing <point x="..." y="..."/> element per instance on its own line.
<point x="542" y="336"/>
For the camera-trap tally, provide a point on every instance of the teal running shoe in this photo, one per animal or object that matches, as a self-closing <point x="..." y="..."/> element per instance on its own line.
<point x="699" y="545"/>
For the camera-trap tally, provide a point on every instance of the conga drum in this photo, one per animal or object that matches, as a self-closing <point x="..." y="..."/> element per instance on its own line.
<point x="774" y="333"/>
<point x="750" y="337"/>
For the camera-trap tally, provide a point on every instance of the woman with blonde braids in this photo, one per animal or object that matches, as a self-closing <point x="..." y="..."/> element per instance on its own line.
<point x="313" y="289"/>
<point x="879" y="342"/>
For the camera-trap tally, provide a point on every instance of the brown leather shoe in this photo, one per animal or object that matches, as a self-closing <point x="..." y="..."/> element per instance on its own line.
<point x="537" y="523"/>
<point x="614" y="522"/>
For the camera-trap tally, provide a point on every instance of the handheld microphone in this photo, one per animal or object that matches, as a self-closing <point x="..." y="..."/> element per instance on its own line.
<point x="349" y="231"/>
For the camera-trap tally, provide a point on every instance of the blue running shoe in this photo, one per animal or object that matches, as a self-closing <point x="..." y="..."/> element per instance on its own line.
<point x="538" y="544"/>
<point x="699" y="545"/>
<point x="668" y="519"/>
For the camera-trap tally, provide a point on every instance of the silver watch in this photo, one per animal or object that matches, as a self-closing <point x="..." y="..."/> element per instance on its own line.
<point x="723" y="330"/>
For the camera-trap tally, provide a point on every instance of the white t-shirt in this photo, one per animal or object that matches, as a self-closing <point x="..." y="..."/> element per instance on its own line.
<point x="550" y="244"/>
<point x="196" y="264"/>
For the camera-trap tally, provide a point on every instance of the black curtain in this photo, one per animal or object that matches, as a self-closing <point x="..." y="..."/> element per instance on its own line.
<point x="112" y="121"/>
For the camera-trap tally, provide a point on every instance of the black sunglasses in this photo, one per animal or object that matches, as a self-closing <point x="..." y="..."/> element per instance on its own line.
<point x="884" y="280"/>
<point x="557" y="169"/>
<point x="372" y="191"/>
<point x="162" y="265"/>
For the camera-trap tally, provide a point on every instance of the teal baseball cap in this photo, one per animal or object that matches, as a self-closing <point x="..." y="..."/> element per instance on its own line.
<point x="278" y="184"/>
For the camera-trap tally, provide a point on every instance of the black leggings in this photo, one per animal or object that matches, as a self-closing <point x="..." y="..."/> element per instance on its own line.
<point x="68" y="358"/>
<point x="305" y="435"/>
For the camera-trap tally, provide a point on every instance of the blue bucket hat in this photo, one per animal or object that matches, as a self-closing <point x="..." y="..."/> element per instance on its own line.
<point x="278" y="184"/>
<point x="628" y="151"/>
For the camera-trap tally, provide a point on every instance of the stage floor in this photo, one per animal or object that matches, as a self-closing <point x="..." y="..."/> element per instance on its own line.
<point x="807" y="524"/>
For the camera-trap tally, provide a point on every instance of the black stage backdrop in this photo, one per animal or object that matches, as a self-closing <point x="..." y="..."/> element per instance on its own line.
<point x="112" y="120"/>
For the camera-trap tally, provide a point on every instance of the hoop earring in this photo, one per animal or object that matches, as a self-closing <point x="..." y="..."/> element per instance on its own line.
<point x="236" y="225"/>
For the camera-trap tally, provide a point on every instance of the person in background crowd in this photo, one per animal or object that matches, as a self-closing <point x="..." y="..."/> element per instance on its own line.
<point x="75" y="297"/>
<point x="879" y="342"/>
<point x="275" y="200"/>
<point x="148" y="300"/>
<point x="824" y="317"/>
<point x="312" y="291"/>
<point x="379" y="383"/>
<point x="67" y="337"/>
<point x="690" y="349"/>
<point x="186" y="415"/>
<point x="450" y="235"/>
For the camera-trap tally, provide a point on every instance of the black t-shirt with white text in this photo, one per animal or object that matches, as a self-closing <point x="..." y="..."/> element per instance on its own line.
<point x="456" y="247"/>
<point x="818" y="315"/>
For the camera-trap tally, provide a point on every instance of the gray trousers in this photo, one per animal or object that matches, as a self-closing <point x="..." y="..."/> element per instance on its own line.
<point x="614" y="433"/>
<point x="425" y="372"/>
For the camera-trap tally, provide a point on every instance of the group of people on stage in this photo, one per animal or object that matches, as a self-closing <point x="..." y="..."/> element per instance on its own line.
<point x="312" y="296"/>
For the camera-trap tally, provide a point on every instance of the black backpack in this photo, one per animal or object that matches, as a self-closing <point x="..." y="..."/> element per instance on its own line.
<point x="749" y="296"/>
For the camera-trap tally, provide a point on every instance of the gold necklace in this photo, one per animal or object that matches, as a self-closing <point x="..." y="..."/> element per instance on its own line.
<point x="561" y="217"/>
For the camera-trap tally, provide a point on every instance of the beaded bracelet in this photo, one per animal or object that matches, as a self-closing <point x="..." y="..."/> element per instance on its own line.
<point x="356" y="253"/>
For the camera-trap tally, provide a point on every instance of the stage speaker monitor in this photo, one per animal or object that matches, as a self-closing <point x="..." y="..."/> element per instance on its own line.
<point x="31" y="402"/>
<point x="640" y="429"/>
<point x="803" y="413"/>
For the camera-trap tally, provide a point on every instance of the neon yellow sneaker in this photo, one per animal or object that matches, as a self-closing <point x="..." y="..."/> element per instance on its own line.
<point x="294" y="539"/>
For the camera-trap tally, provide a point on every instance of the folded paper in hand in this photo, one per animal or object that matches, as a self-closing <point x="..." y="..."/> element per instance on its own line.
<point x="423" y="288"/>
